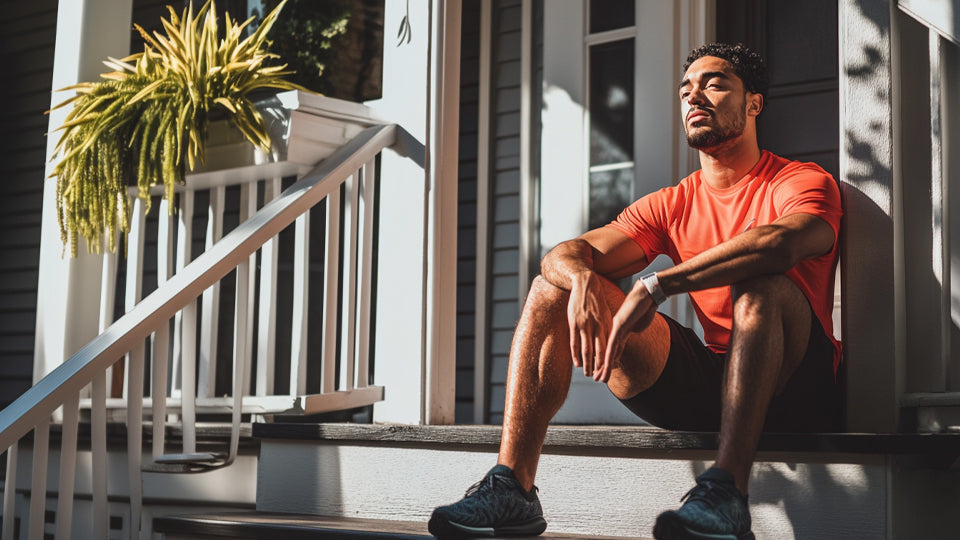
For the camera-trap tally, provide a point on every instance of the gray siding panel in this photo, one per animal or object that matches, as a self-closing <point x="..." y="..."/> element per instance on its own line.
<point x="505" y="200"/>
<point x="467" y="210"/>
<point x="27" y="35"/>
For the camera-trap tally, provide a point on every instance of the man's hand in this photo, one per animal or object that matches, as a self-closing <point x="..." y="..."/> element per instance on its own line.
<point x="635" y="315"/>
<point x="589" y="318"/>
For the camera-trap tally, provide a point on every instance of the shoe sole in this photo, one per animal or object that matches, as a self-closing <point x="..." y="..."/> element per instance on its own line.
<point x="672" y="529"/>
<point x="452" y="529"/>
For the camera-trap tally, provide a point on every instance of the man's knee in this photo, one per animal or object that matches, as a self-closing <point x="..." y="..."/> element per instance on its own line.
<point x="760" y="296"/>
<point x="544" y="295"/>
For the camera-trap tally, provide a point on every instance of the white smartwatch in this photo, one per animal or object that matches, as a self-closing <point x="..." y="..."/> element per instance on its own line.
<point x="652" y="284"/>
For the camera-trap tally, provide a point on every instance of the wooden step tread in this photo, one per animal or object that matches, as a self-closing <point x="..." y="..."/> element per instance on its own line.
<point x="276" y="526"/>
<point x="614" y="437"/>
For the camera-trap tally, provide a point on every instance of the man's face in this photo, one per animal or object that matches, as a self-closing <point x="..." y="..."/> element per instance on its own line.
<point x="713" y="103"/>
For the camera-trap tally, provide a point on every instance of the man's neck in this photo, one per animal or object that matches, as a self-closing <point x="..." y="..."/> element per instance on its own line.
<point x="725" y="165"/>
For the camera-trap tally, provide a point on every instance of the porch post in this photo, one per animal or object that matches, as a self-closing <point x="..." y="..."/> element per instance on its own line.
<point x="404" y="190"/>
<point x="68" y="295"/>
<point x="442" y="156"/>
<point x="872" y="233"/>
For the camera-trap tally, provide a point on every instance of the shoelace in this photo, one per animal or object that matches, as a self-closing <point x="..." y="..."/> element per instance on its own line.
<point x="705" y="490"/>
<point x="479" y="484"/>
<point x="489" y="480"/>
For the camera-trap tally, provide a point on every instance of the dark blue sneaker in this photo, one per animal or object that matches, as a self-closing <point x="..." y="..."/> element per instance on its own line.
<point x="714" y="509"/>
<point x="497" y="505"/>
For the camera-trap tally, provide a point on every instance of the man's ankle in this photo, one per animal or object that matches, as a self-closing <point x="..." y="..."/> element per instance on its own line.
<point x="520" y="473"/>
<point x="741" y="481"/>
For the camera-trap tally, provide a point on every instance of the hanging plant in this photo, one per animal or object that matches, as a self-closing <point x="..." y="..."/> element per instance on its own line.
<point x="148" y="118"/>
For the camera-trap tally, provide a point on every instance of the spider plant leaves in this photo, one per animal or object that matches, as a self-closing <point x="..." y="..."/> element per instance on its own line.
<point x="144" y="123"/>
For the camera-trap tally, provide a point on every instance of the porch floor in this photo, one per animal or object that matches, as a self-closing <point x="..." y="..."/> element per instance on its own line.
<point x="275" y="526"/>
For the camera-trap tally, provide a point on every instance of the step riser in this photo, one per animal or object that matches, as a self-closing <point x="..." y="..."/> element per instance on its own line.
<point x="798" y="496"/>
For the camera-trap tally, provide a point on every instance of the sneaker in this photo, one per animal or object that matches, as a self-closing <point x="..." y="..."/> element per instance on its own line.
<point x="714" y="509"/>
<point x="497" y="505"/>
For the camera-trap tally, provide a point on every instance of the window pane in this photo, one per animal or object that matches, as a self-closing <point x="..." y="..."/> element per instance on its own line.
<point x="610" y="15"/>
<point x="611" y="102"/>
<point x="610" y="193"/>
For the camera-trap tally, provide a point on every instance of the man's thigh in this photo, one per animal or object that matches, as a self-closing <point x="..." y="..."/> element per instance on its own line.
<point x="812" y="400"/>
<point x="687" y="395"/>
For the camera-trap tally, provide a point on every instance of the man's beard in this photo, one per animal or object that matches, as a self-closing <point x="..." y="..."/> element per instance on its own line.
<point x="711" y="138"/>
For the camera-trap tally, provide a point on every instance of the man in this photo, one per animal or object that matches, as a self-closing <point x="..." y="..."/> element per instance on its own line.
<point x="754" y="240"/>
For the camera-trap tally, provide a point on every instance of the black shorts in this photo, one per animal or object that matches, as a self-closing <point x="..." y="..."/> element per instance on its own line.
<point x="687" y="394"/>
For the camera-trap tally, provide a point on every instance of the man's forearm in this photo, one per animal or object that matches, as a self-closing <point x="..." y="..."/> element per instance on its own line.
<point x="759" y="251"/>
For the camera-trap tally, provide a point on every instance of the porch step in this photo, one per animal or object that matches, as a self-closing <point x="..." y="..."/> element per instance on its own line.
<point x="277" y="526"/>
<point x="803" y="485"/>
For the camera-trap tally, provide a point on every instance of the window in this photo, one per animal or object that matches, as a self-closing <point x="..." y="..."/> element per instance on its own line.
<point x="610" y="48"/>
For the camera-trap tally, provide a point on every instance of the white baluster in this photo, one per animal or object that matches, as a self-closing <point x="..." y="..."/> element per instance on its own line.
<point x="301" y="290"/>
<point x="211" y="303"/>
<point x="10" y="492"/>
<point x="68" y="466"/>
<point x="185" y="332"/>
<point x="331" y="264"/>
<point x="266" y="327"/>
<point x="240" y="352"/>
<point x="38" y="489"/>
<point x="98" y="451"/>
<point x="135" y="360"/>
<point x="367" y="200"/>
<point x="135" y="436"/>
<point x="348" y="321"/>
<point x="98" y="405"/>
<point x="161" y="336"/>
<point x="108" y="294"/>
<point x="134" y="285"/>
<point x="248" y="287"/>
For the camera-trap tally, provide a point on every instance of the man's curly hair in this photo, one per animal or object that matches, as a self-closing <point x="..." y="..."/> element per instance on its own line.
<point x="746" y="63"/>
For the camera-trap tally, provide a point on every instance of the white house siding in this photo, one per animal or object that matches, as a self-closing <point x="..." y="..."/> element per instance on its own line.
<point x="27" y="31"/>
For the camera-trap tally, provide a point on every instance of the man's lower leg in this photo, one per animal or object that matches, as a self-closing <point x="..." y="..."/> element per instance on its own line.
<point x="771" y="327"/>
<point x="538" y="379"/>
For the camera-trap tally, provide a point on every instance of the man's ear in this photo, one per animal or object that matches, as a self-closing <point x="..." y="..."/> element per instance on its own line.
<point x="754" y="104"/>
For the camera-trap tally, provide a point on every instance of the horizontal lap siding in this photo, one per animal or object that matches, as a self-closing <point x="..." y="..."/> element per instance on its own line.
<point x="28" y="33"/>
<point x="504" y="195"/>
<point x="467" y="210"/>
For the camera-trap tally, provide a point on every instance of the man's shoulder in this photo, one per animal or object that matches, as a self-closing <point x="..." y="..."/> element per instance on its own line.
<point x="781" y="167"/>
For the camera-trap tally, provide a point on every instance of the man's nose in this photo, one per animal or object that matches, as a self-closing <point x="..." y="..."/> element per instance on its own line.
<point x="695" y="97"/>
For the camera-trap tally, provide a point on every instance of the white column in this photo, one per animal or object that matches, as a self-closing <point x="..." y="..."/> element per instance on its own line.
<point x="872" y="248"/>
<point x="400" y="287"/>
<point x="442" y="156"/>
<point x="68" y="296"/>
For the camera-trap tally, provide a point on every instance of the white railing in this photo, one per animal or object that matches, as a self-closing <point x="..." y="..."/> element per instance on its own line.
<point x="346" y="182"/>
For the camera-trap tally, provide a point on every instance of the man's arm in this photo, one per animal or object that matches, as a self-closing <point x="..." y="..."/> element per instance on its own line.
<point x="767" y="249"/>
<point x="579" y="265"/>
<point x="763" y="250"/>
<point x="605" y="251"/>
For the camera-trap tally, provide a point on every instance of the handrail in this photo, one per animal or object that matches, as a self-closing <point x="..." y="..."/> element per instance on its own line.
<point x="40" y="401"/>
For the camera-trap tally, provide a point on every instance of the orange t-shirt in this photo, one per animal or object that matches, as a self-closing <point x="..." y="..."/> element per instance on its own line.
<point x="686" y="219"/>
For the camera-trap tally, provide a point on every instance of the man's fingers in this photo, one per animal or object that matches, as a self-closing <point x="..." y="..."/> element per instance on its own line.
<point x="599" y="350"/>
<point x="586" y="345"/>
<point x="575" y="347"/>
